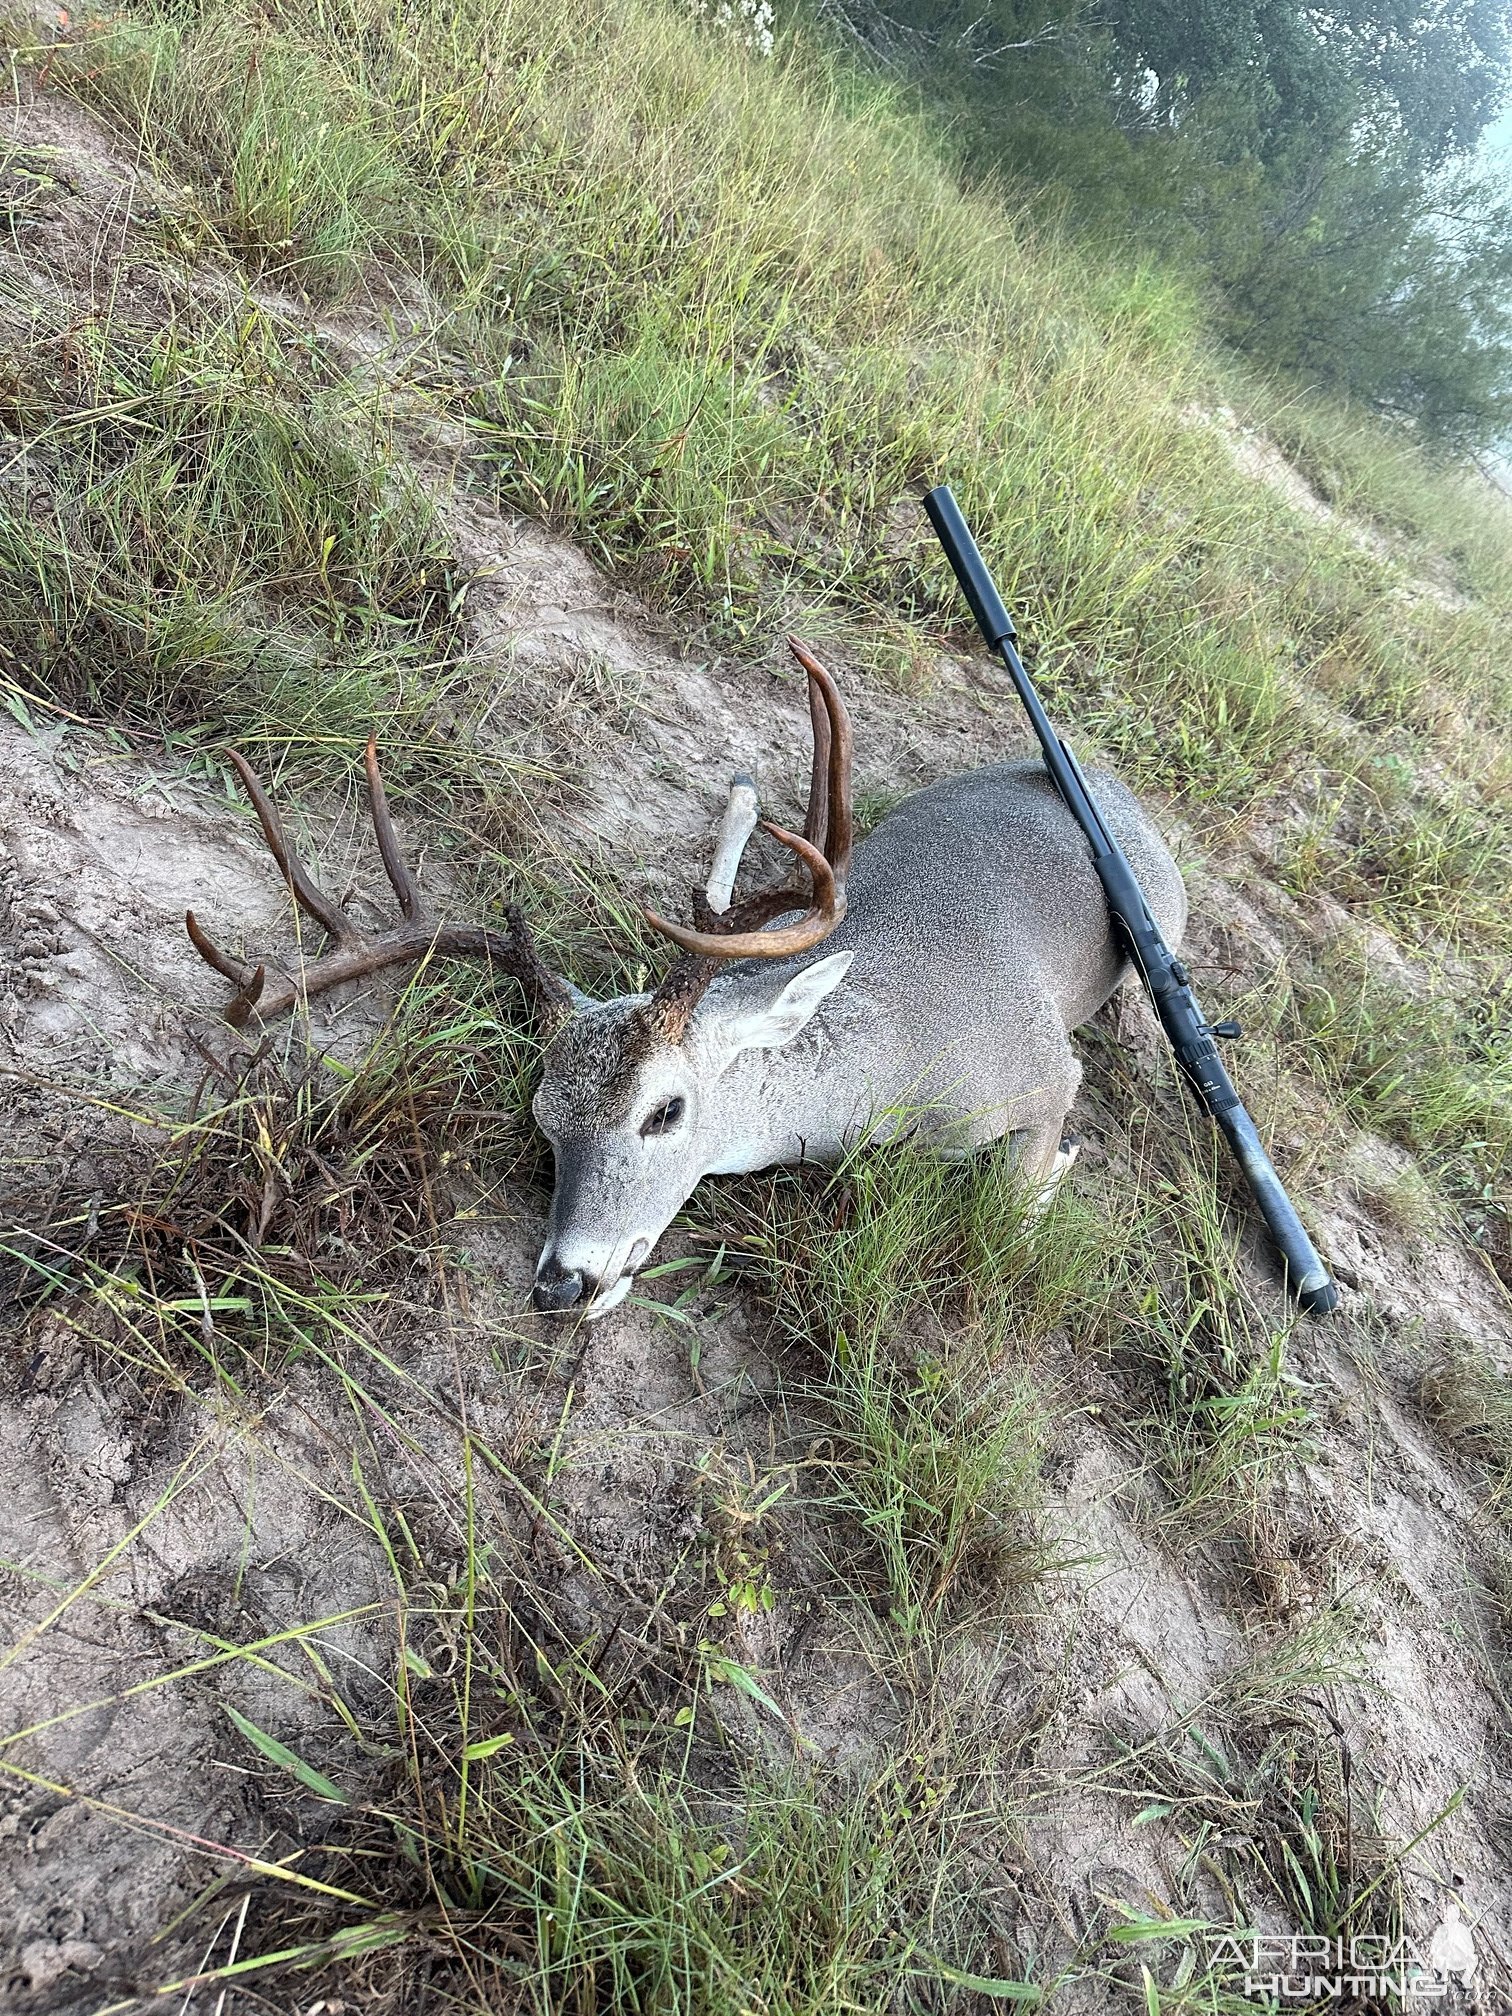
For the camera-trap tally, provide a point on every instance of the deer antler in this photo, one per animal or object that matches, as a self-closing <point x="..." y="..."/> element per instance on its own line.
<point x="353" y="953"/>
<point x="737" y="933"/>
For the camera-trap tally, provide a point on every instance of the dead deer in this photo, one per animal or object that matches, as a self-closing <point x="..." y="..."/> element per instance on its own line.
<point x="964" y="939"/>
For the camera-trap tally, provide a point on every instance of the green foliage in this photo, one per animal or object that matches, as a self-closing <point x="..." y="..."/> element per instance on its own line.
<point x="721" y="370"/>
<point x="1300" y="76"/>
<point x="1425" y="1068"/>
<point x="186" y="477"/>
<point x="1386" y="283"/>
<point x="1465" y="1395"/>
<point x="1317" y="171"/>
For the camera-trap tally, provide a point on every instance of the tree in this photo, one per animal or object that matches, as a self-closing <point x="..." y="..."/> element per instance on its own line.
<point x="1311" y="163"/>
<point x="1426" y="79"/>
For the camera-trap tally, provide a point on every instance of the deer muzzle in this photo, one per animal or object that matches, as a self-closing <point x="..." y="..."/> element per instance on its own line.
<point x="558" y="1289"/>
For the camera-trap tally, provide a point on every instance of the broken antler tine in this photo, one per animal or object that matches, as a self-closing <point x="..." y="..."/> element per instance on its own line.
<point x="400" y="878"/>
<point x="735" y="829"/>
<point x="834" y="761"/>
<point x="310" y="897"/>
<point x="670" y="1009"/>
<point x="241" y="1004"/>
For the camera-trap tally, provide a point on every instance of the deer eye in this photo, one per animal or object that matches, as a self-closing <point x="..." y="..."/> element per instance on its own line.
<point x="662" y="1119"/>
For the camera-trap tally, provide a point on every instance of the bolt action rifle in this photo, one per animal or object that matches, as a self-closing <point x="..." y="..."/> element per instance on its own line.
<point x="1166" y="979"/>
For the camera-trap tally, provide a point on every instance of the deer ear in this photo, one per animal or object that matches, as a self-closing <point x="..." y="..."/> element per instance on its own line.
<point x="778" y="1021"/>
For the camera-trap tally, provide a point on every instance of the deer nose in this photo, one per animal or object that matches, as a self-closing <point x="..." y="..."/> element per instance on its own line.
<point x="556" y="1288"/>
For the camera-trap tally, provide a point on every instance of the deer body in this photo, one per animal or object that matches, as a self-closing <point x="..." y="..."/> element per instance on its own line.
<point x="976" y="938"/>
<point x="930" y="986"/>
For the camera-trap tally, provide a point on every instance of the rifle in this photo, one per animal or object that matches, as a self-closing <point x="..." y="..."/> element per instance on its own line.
<point x="1165" y="978"/>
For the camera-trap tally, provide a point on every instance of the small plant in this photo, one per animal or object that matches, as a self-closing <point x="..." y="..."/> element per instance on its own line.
<point x="749" y="21"/>
<point x="744" y="1541"/>
<point x="1467" y="1399"/>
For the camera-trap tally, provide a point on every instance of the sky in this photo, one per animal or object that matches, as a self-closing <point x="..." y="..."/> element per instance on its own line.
<point x="1497" y="138"/>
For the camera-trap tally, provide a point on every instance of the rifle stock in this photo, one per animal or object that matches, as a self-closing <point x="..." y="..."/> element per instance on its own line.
<point x="1165" y="978"/>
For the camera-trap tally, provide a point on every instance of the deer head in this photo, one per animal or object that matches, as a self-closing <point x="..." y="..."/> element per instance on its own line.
<point x="633" y="1094"/>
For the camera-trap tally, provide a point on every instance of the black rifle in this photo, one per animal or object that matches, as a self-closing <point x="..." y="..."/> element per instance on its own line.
<point x="1166" y="979"/>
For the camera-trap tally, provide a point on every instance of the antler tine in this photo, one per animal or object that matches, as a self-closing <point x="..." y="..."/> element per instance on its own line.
<point x="310" y="897"/>
<point x="826" y="909"/>
<point x="816" y="819"/>
<point x="394" y="866"/>
<point x="837" y="760"/>
<point x="231" y="969"/>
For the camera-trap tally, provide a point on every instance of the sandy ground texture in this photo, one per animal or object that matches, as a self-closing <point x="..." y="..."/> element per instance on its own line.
<point x="148" y="1524"/>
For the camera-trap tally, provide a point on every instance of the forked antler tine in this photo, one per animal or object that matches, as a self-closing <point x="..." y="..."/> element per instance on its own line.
<point x="310" y="897"/>
<point x="400" y="879"/>
<point x="353" y="955"/>
<point x="835" y="762"/>
<point x="823" y="914"/>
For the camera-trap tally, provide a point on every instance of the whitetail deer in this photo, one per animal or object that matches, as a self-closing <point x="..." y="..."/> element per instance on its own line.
<point x="965" y="938"/>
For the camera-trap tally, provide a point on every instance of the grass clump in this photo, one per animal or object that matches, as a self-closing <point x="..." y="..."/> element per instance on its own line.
<point x="1429" y="1069"/>
<point x="1365" y="468"/>
<point x="211" y="519"/>
<point x="560" y="1863"/>
<point x="1465" y="1396"/>
<point x="293" y="1192"/>
<point x="923" y="1287"/>
<point x="1199" y="1379"/>
<point x="1260" y="1789"/>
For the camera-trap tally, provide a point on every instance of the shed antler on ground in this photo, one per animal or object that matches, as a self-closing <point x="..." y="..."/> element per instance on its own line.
<point x="353" y="953"/>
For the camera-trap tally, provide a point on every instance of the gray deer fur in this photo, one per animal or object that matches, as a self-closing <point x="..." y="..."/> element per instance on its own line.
<point x="975" y="940"/>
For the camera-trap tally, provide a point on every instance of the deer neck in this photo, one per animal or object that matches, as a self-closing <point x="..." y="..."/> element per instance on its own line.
<point x="803" y="1102"/>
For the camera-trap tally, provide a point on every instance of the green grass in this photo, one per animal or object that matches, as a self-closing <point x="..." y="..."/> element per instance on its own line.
<point x="1264" y="1800"/>
<point x="1371" y="471"/>
<point x="722" y="320"/>
<point x="1466" y="1398"/>
<point x="204" y="476"/>
<point x="914" y="1292"/>
<point x="751" y="339"/>
<point x="1421" y="1065"/>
